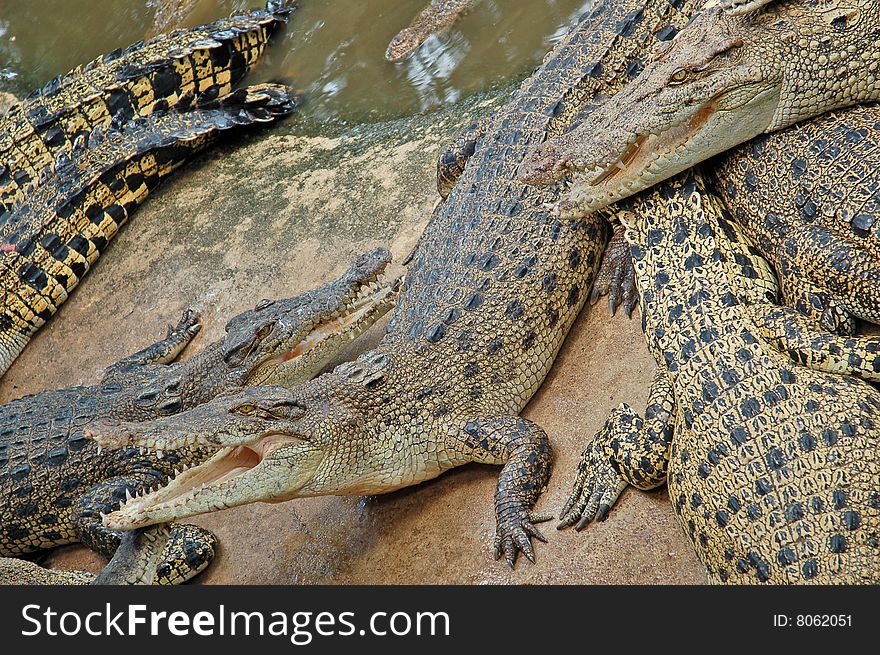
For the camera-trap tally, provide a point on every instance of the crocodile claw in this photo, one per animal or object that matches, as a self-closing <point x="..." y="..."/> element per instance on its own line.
<point x="617" y="276"/>
<point x="515" y="534"/>
<point x="597" y="487"/>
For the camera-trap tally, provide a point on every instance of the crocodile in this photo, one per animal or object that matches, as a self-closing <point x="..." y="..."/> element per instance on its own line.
<point x="135" y="561"/>
<point x="491" y="290"/>
<point x="807" y="198"/>
<point x="55" y="484"/>
<point x="68" y="139"/>
<point x="438" y="16"/>
<point x="722" y="81"/>
<point x="145" y="77"/>
<point x="772" y="464"/>
<point x="52" y="238"/>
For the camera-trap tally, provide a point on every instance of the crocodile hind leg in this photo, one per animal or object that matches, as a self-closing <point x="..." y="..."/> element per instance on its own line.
<point x="453" y="159"/>
<point x="617" y="275"/>
<point x="626" y="451"/>
<point x="161" y="352"/>
<point x="189" y="549"/>
<point x="524" y="450"/>
<point x="807" y="344"/>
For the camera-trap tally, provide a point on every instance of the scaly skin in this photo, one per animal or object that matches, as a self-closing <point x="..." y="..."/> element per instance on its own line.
<point x="126" y="84"/>
<point x="134" y="563"/>
<point x="438" y="16"/>
<point x="492" y="289"/>
<point x="78" y="155"/>
<point x="453" y="159"/>
<point x="722" y="81"/>
<point x="54" y="484"/>
<point x="807" y="197"/>
<point x="772" y="466"/>
<point x="52" y="239"/>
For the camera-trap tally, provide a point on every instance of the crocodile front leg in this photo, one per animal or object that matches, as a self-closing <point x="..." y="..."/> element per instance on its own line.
<point x="805" y="343"/>
<point x="189" y="549"/>
<point x="161" y="352"/>
<point x="524" y="450"/>
<point x="626" y="451"/>
<point x="815" y="303"/>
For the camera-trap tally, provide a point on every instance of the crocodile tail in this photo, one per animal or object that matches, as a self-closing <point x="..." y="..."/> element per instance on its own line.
<point x="125" y="84"/>
<point x="68" y="222"/>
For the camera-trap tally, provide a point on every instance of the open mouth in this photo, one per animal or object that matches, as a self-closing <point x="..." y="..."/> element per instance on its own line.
<point x="633" y="170"/>
<point x="367" y="303"/>
<point x="370" y="299"/>
<point x="196" y="490"/>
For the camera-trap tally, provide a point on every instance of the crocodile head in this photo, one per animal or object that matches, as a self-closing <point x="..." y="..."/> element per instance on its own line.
<point x="272" y="444"/>
<point x="404" y="44"/>
<point x="713" y="86"/>
<point x="278" y="342"/>
<point x="288" y="341"/>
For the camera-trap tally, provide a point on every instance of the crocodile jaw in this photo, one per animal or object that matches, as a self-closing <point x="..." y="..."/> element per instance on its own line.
<point x="650" y="159"/>
<point x="307" y="357"/>
<point x="272" y="469"/>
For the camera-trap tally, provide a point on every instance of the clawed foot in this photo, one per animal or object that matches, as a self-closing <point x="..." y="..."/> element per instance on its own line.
<point x="597" y="487"/>
<point x="617" y="276"/>
<point x="188" y="324"/>
<point x="514" y="533"/>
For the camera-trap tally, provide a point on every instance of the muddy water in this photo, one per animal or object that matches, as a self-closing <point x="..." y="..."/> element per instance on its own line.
<point x="332" y="51"/>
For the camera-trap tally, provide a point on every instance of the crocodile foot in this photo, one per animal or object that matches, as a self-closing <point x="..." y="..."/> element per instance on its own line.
<point x="617" y="275"/>
<point x="596" y="488"/>
<point x="515" y="530"/>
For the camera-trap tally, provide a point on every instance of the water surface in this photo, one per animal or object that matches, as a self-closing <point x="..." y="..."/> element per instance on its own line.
<point x="332" y="51"/>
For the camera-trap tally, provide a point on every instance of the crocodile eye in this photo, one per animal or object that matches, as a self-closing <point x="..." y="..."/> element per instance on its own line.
<point x="679" y="76"/>
<point x="247" y="410"/>
<point x="264" y="331"/>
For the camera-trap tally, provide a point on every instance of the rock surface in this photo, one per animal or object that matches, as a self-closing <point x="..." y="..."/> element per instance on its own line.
<point x="273" y="214"/>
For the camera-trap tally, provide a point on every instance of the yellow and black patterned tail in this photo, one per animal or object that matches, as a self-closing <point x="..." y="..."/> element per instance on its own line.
<point x="52" y="238"/>
<point x="148" y="76"/>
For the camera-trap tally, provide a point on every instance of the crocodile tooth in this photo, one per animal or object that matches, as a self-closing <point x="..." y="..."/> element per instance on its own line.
<point x="128" y="495"/>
